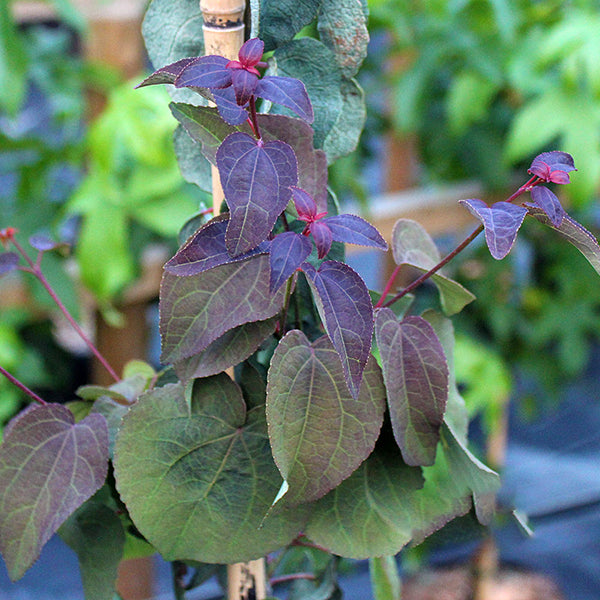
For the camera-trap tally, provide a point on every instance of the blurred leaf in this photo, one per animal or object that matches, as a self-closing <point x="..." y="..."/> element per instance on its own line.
<point x="13" y="63"/>
<point x="385" y="579"/>
<point x="468" y="100"/>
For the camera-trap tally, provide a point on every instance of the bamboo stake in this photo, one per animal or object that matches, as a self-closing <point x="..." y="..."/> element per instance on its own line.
<point x="223" y="35"/>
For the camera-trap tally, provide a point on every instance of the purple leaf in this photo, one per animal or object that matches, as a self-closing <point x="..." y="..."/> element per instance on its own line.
<point x="553" y="166"/>
<point x="288" y="251"/>
<point x="319" y="433"/>
<point x="251" y="52"/>
<point x="416" y="378"/>
<point x="346" y="310"/>
<point x="256" y="178"/>
<point x="354" y="230"/>
<point x="501" y="221"/>
<point x="546" y="200"/>
<point x="288" y="92"/>
<point x="169" y="73"/>
<point x="244" y="85"/>
<point x="322" y="236"/>
<point x="49" y="466"/>
<point x="9" y="261"/>
<point x="304" y="203"/>
<point x="205" y="72"/>
<point x="228" y="107"/>
<point x="206" y="249"/>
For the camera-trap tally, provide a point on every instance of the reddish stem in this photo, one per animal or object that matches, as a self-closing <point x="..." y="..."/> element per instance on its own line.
<point x="388" y="286"/>
<point x="292" y="577"/>
<point x="254" y="117"/>
<point x="22" y="386"/>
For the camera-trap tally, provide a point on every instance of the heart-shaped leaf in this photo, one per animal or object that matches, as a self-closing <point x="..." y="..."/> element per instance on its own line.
<point x="172" y="455"/>
<point x="256" y="178"/>
<point x="351" y="229"/>
<point x="345" y="308"/>
<point x="286" y="91"/>
<point x="501" y="221"/>
<point x="288" y="251"/>
<point x="416" y="379"/>
<point x="319" y="434"/>
<point x="49" y="466"/>
<point x="196" y="310"/>
<point x="546" y="200"/>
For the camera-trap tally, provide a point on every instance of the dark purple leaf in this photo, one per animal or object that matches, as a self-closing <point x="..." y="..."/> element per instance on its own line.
<point x="501" y="221"/>
<point x="319" y="433"/>
<point x="169" y="73"/>
<point x="345" y="308"/>
<point x="304" y="203"/>
<point x="553" y="166"/>
<point x="256" y="178"/>
<point x="575" y="233"/>
<point x="351" y="229"/>
<point x="546" y="200"/>
<point x="206" y="249"/>
<point x="9" y="261"/>
<point x="251" y="52"/>
<point x="228" y="107"/>
<point x="416" y="378"/>
<point x="322" y="236"/>
<point x="196" y="310"/>
<point x="244" y="85"/>
<point x="288" y="92"/>
<point x="288" y="251"/>
<point x="205" y="72"/>
<point x="49" y="466"/>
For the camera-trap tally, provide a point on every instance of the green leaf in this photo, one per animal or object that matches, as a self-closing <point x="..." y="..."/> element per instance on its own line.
<point x="94" y="532"/>
<point x="197" y="476"/>
<point x="281" y="20"/>
<point x="113" y="412"/>
<point x="194" y="166"/>
<point x="412" y="245"/>
<point x="13" y="63"/>
<point x="385" y="580"/>
<point x="319" y="433"/>
<point x="468" y="100"/>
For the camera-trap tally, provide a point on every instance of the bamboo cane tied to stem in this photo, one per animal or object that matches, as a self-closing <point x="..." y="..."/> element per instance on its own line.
<point x="223" y="35"/>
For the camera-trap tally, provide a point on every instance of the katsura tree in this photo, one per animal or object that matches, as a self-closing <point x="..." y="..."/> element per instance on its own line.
<point x="298" y="409"/>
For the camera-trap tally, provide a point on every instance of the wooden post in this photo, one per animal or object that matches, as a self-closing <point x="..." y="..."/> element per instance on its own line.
<point x="223" y="35"/>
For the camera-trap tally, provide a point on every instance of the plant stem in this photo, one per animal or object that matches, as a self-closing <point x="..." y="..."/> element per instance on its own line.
<point x="35" y="269"/>
<point x="292" y="577"/>
<point x="22" y="387"/>
<point x="254" y="117"/>
<point x="388" y="286"/>
<point x="286" y="304"/>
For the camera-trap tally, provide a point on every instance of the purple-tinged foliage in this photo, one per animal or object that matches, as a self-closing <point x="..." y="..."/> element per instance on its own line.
<point x="9" y="261"/>
<point x="346" y="311"/>
<point x="351" y="229"/>
<point x="501" y="221"/>
<point x="319" y="433"/>
<point x="287" y="253"/>
<point x="209" y="72"/>
<point x="287" y="92"/>
<point x="45" y="244"/>
<point x="416" y="377"/>
<point x="322" y="236"/>
<point x="553" y="167"/>
<point x="250" y="54"/>
<point x="306" y="207"/>
<point x="206" y="249"/>
<point x="49" y="466"/>
<point x="228" y="107"/>
<point x="167" y="74"/>
<point x="256" y="177"/>
<point x="547" y="201"/>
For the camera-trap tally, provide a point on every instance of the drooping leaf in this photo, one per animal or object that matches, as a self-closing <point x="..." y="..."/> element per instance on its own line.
<point x="575" y="233"/>
<point x="345" y="308"/>
<point x="416" y="379"/>
<point x="196" y="310"/>
<point x="547" y="201"/>
<point x="230" y="349"/>
<point x="173" y="452"/>
<point x="323" y="238"/>
<point x="95" y="533"/>
<point x="281" y="20"/>
<point x="256" y="178"/>
<point x="501" y="221"/>
<point x="49" y="466"/>
<point x="319" y="434"/>
<point x="288" y="251"/>
<point x="351" y="229"/>
<point x="287" y="92"/>
<point x="206" y="249"/>
<point x="9" y="261"/>
<point x="412" y="245"/>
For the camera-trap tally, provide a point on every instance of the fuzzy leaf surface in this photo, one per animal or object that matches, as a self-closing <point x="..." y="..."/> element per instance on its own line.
<point x="288" y="251"/>
<point x="351" y="229"/>
<point x="319" y="433"/>
<point x="345" y="308"/>
<point x="197" y="474"/>
<point x="256" y="177"/>
<point x="412" y="245"/>
<point x="281" y="20"/>
<point x="416" y="379"/>
<point x="546" y="200"/>
<point x="501" y="221"/>
<point x="49" y="466"/>
<point x="196" y="310"/>
<point x="288" y="92"/>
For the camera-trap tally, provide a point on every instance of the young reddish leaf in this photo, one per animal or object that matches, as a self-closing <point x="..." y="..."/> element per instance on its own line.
<point x="416" y="379"/>
<point x="244" y="85"/>
<point x="288" y="251"/>
<point x="49" y="466"/>
<point x="575" y="233"/>
<point x="251" y="52"/>
<point x="196" y="310"/>
<point x="354" y="230"/>
<point x="228" y="107"/>
<point x="305" y="205"/>
<point x="167" y="74"/>
<point x="288" y="92"/>
<point x="553" y="166"/>
<point x="256" y="178"/>
<point x="345" y="308"/>
<point x="9" y="261"/>
<point x="206" y="249"/>
<point x="502" y="221"/>
<point x="546" y="200"/>
<point x="319" y="433"/>
<point x="322" y="236"/>
<point x="205" y="72"/>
